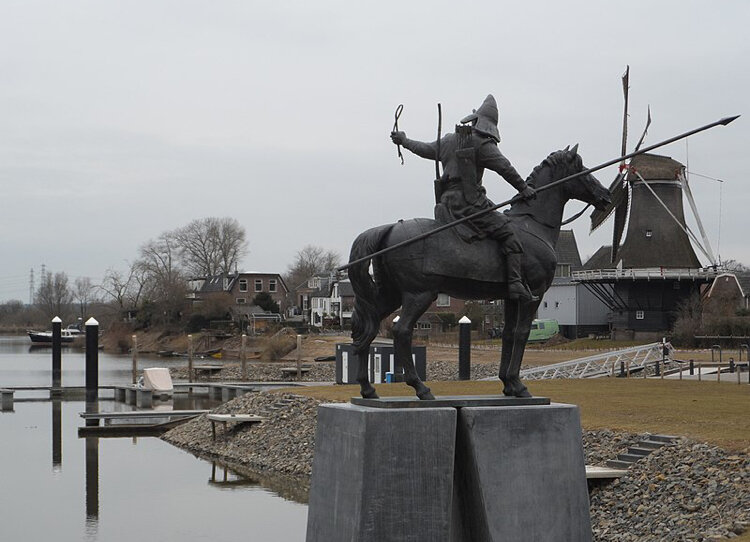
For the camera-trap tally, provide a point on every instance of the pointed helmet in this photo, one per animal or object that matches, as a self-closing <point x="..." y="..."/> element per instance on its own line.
<point x="486" y="117"/>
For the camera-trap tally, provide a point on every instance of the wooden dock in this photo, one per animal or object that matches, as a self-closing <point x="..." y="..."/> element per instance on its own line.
<point x="136" y="423"/>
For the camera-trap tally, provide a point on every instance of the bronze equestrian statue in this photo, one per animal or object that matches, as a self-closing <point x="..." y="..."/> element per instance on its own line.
<point x="464" y="261"/>
<point x="464" y="156"/>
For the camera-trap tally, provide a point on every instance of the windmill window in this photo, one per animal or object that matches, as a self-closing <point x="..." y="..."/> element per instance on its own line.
<point x="649" y="233"/>
<point x="640" y="315"/>
<point x="545" y="304"/>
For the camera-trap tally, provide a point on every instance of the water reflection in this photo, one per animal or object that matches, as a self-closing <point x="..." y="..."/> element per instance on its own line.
<point x="82" y="502"/>
<point x="56" y="435"/>
<point x="92" y="485"/>
<point x="228" y="478"/>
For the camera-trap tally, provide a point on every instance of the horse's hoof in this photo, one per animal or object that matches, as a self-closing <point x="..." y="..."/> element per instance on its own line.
<point x="515" y="388"/>
<point x="426" y="396"/>
<point x="371" y="394"/>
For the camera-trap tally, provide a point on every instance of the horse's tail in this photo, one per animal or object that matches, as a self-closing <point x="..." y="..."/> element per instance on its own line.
<point x="371" y="295"/>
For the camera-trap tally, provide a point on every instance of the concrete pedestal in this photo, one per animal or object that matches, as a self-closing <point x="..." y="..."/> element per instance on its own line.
<point x="382" y="474"/>
<point x="497" y="473"/>
<point x="520" y="475"/>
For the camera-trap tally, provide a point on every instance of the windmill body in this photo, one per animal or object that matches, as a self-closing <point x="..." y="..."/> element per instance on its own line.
<point x="644" y="281"/>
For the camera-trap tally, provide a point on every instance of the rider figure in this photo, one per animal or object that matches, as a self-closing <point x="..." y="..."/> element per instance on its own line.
<point x="465" y="155"/>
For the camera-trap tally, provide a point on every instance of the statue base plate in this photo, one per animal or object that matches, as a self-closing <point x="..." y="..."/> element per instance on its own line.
<point x="454" y="401"/>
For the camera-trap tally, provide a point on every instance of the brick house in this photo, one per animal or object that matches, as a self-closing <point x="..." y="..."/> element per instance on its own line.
<point x="239" y="290"/>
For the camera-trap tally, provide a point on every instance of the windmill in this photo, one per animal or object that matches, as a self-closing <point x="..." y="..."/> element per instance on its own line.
<point x="647" y="205"/>
<point x="647" y="197"/>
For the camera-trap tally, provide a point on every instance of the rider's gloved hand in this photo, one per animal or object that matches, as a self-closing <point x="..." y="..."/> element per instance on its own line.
<point x="398" y="137"/>
<point x="527" y="193"/>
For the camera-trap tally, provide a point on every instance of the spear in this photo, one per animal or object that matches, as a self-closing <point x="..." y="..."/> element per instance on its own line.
<point x="723" y="122"/>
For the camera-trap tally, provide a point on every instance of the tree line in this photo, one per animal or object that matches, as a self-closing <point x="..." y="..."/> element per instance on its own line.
<point x="154" y="285"/>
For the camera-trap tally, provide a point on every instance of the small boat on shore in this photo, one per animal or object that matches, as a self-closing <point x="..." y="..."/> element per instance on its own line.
<point x="67" y="335"/>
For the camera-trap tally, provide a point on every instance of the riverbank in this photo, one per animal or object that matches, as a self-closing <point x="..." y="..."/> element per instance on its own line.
<point x="692" y="490"/>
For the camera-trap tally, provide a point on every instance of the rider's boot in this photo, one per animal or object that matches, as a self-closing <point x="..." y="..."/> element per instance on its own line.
<point x="517" y="290"/>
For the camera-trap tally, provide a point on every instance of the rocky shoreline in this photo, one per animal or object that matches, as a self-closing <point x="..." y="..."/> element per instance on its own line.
<point x="325" y="371"/>
<point x="687" y="491"/>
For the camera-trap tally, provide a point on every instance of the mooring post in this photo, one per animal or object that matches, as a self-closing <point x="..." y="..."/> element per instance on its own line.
<point x="692" y="367"/>
<point x="92" y="370"/>
<point x="731" y="365"/>
<point x="243" y="357"/>
<point x="464" y="348"/>
<point x="56" y="357"/>
<point x="190" y="358"/>
<point x="299" y="357"/>
<point x="622" y="369"/>
<point x="699" y="371"/>
<point x="135" y="359"/>
<point x="92" y="359"/>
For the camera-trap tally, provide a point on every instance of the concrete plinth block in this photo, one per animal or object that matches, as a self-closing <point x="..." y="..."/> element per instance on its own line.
<point x="520" y="475"/>
<point x="130" y="396"/>
<point x="382" y="474"/>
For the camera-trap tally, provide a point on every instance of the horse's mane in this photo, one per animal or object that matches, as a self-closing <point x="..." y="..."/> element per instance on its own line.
<point x="555" y="159"/>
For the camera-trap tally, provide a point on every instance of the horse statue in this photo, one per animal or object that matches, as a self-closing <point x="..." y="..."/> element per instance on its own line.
<point x="411" y="276"/>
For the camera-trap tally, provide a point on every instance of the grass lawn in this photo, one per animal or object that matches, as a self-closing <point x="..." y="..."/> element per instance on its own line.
<point x="717" y="413"/>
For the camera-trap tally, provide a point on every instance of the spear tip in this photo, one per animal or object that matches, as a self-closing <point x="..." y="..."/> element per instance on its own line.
<point x="727" y="120"/>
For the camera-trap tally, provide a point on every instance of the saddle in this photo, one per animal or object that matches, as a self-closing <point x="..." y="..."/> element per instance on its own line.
<point x="462" y="252"/>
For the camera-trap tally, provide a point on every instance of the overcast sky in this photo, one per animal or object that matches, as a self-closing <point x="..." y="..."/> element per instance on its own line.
<point x="122" y="120"/>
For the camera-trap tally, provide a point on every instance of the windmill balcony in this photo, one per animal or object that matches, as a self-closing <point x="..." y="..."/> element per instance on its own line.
<point x="649" y="273"/>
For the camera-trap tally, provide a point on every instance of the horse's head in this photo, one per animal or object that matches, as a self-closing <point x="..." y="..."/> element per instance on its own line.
<point x="586" y="188"/>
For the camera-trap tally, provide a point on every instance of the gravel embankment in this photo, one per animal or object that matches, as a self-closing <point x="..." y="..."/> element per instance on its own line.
<point x="320" y="371"/>
<point x="325" y="371"/>
<point x="686" y="491"/>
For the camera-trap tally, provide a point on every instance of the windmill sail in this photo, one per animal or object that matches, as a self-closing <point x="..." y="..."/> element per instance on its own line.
<point x="620" y="189"/>
<point x="616" y="189"/>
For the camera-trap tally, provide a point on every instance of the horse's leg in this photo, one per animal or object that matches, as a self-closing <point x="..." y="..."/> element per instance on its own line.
<point x="524" y="313"/>
<point x="413" y="306"/>
<point x="511" y="315"/>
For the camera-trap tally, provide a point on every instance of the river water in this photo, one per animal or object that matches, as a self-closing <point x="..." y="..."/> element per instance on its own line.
<point x="55" y="486"/>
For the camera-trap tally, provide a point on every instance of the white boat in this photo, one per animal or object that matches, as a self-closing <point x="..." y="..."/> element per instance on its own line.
<point x="67" y="335"/>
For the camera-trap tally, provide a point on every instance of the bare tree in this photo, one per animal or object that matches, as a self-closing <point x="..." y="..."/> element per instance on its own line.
<point x="735" y="266"/>
<point x="84" y="293"/>
<point x="165" y="285"/>
<point x="125" y="289"/>
<point x="210" y="246"/>
<point x="311" y="260"/>
<point x="53" y="296"/>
